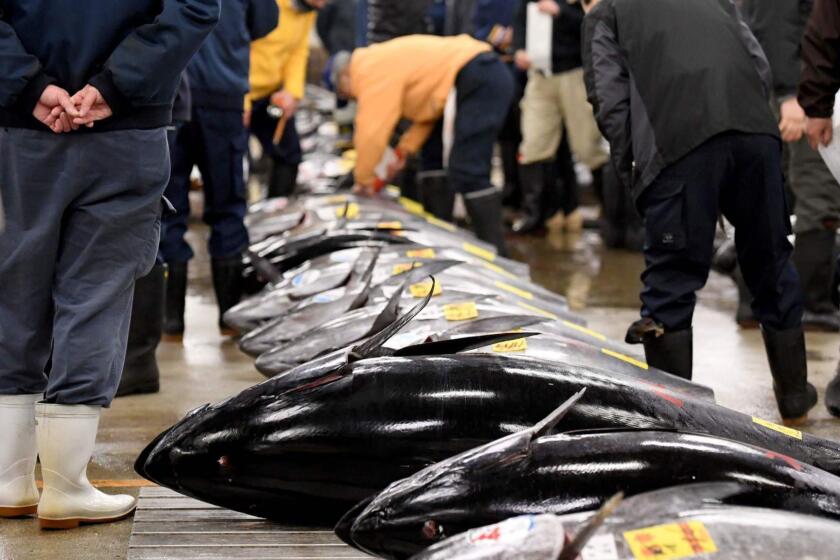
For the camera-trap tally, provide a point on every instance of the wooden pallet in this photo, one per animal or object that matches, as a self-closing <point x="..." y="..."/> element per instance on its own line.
<point x="168" y="526"/>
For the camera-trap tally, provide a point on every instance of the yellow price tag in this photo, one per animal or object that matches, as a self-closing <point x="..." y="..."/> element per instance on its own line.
<point x="584" y="330"/>
<point x="537" y="310"/>
<point x="389" y="225"/>
<point x="498" y="270"/>
<point x="351" y="210"/>
<point x="516" y="345"/>
<point x="790" y="432"/>
<point x="670" y="542"/>
<point x="514" y="290"/>
<point x="460" y="311"/>
<point x="421" y="290"/>
<point x="624" y="358"/>
<point x="404" y="267"/>
<point x="336" y="199"/>
<point x="421" y="254"/>
<point x="479" y="252"/>
<point x="412" y="206"/>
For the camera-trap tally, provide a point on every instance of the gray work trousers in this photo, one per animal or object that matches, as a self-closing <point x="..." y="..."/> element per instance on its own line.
<point x="82" y="224"/>
<point x="817" y="193"/>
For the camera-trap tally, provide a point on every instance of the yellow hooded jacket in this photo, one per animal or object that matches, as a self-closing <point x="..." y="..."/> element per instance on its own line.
<point x="279" y="59"/>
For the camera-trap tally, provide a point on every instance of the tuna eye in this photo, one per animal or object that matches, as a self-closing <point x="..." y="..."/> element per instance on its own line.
<point x="431" y="530"/>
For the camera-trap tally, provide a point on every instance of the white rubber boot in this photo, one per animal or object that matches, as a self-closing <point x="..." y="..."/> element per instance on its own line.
<point x="18" y="453"/>
<point x="66" y="437"/>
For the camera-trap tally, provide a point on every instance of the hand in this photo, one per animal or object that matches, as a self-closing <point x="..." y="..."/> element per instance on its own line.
<point x="792" y="123"/>
<point x="285" y="101"/>
<point x="92" y="106"/>
<point x="522" y="60"/>
<point x="364" y="190"/>
<point x="819" y="132"/>
<point x="550" y="7"/>
<point x="246" y="118"/>
<point x="53" y="103"/>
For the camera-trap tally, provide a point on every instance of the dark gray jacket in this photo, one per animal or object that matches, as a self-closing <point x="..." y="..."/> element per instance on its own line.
<point x="664" y="76"/>
<point x="779" y="26"/>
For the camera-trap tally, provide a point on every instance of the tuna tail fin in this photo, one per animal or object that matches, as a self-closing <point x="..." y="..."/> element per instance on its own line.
<point x="391" y="311"/>
<point x="574" y="548"/>
<point x="342" y="219"/>
<point x="456" y="345"/>
<point x="368" y="347"/>
<point x="365" y="280"/>
<point x="550" y="422"/>
<point x="264" y="267"/>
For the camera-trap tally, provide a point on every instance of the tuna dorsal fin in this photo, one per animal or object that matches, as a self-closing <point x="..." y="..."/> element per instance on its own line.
<point x="549" y="422"/>
<point x="493" y="324"/>
<point x="375" y="342"/>
<point x="264" y="267"/>
<point x="456" y="345"/>
<point x="574" y="548"/>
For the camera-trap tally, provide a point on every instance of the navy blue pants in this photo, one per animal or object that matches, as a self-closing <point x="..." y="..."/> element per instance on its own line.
<point x="216" y="141"/>
<point x="83" y="217"/>
<point x="739" y="175"/>
<point x="288" y="151"/>
<point x="484" y="93"/>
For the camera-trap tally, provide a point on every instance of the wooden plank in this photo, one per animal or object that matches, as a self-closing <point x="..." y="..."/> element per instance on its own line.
<point x="219" y="538"/>
<point x="208" y="525"/>
<point x="241" y="554"/>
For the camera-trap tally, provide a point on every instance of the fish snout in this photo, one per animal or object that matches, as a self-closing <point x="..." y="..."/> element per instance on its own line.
<point x="344" y="527"/>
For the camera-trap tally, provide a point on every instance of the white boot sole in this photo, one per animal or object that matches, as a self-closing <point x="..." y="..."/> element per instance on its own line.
<point x="74" y="522"/>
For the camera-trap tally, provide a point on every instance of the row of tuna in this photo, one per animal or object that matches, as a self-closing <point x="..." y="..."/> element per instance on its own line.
<point x="429" y="401"/>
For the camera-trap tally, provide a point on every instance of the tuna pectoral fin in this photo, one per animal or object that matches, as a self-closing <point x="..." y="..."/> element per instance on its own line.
<point x="456" y="345"/>
<point x="374" y="343"/>
<point x="574" y="548"/>
<point x="264" y="268"/>
<point x="345" y="524"/>
<point x="549" y="422"/>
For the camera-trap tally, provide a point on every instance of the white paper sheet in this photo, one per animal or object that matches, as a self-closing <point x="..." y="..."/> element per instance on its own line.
<point x="831" y="153"/>
<point x="538" y="38"/>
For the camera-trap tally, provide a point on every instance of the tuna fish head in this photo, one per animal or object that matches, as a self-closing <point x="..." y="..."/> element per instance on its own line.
<point x="424" y="507"/>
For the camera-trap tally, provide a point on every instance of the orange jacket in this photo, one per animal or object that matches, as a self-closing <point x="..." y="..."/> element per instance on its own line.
<point x="405" y="78"/>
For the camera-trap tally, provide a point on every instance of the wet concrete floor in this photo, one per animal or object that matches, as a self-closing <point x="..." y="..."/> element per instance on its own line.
<point x="602" y="285"/>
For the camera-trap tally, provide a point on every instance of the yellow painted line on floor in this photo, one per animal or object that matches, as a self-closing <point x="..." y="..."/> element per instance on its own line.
<point x="584" y="330"/>
<point x="128" y="483"/>
<point x="536" y="309"/>
<point x="624" y="358"/>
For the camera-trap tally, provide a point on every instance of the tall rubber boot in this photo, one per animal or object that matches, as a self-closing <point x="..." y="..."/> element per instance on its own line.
<point x="66" y="438"/>
<point x="227" y="283"/>
<point x="786" y="356"/>
<point x="512" y="192"/>
<point x="176" y="296"/>
<point x="533" y="179"/>
<point x="140" y="373"/>
<point x="832" y="394"/>
<point x="18" y="453"/>
<point x="409" y="180"/>
<point x="485" y="210"/>
<point x="283" y="180"/>
<point x="672" y="352"/>
<point x="813" y="258"/>
<point x="437" y="195"/>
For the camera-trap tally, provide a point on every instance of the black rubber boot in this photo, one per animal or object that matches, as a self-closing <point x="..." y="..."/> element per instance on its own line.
<point x="832" y="394"/>
<point x="532" y="177"/>
<point x="227" y="283"/>
<point x="786" y="356"/>
<point x="176" y="294"/>
<point x="408" y="180"/>
<point x="813" y="257"/>
<point x="283" y="180"/>
<point x="140" y="373"/>
<point x="485" y="211"/>
<point x="437" y="196"/>
<point x="672" y="352"/>
<point x="512" y="193"/>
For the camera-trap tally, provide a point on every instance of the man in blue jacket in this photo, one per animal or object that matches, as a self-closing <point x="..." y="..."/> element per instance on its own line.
<point x="85" y="96"/>
<point x="215" y="139"/>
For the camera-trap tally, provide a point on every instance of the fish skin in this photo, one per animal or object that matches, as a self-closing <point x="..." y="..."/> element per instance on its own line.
<point x="574" y="472"/>
<point x="310" y="443"/>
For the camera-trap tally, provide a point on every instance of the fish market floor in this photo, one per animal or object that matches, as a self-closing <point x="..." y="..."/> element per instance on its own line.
<point x="601" y="285"/>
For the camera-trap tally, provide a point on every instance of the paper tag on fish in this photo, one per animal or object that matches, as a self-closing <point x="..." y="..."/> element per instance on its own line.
<point x="421" y="290"/>
<point x="512" y="531"/>
<point x="777" y="428"/>
<point x="479" y="252"/>
<point x="600" y="547"/>
<point x="336" y="199"/>
<point x="351" y="210"/>
<point x="389" y="225"/>
<point x="404" y="267"/>
<point x="516" y="345"/>
<point x="460" y="311"/>
<point x="421" y="254"/>
<point x="670" y="542"/>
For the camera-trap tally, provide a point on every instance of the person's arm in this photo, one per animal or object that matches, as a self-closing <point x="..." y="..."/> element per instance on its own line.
<point x="294" y="76"/>
<point x="607" y="81"/>
<point x="22" y="77"/>
<point x="155" y="53"/>
<point x="413" y="139"/>
<point x="378" y="111"/>
<point x="263" y="18"/>
<point x="520" y="25"/>
<point x="820" y="77"/>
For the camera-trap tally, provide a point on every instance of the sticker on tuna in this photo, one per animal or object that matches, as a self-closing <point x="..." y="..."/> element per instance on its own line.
<point x="404" y="267"/>
<point x="600" y="547"/>
<point x="420" y="254"/>
<point x="670" y="542"/>
<point x="460" y="311"/>
<point x="790" y="432"/>
<point x="389" y="225"/>
<point x="479" y="252"/>
<point x="352" y="211"/>
<point x="421" y="289"/>
<point x="513" y="531"/>
<point x="516" y="345"/>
